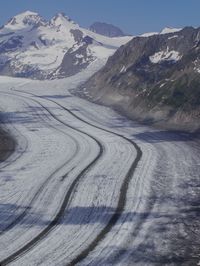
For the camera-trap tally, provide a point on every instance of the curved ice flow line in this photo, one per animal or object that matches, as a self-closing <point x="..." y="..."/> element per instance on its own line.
<point x="122" y="197"/>
<point x="23" y="214"/>
<point x="56" y="220"/>
<point x="39" y="191"/>
<point x="77" y="260"/>
<point x="123" y="191"/>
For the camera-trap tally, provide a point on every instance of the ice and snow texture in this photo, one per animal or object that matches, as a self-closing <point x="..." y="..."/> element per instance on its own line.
<point x="162" y="191"/>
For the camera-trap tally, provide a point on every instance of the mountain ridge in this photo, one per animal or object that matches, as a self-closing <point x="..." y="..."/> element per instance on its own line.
<point x="154" y="79"/>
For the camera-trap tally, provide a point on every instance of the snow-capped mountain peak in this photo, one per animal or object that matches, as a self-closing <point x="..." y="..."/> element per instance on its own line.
<point x="32" y="47"/>
<point x="61" y="20"/>
<point x="27" y="14"/>
<point x="24" y="20"/>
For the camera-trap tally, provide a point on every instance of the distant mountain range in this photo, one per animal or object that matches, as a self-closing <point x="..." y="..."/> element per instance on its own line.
<point x="154" y="78"/>
<point x="32" y="47"/>
<point x="106" y="29"/>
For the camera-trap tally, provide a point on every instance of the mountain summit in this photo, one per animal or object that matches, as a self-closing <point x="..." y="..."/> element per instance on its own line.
<point x="106" y="29"/>
<point x="35" y="48"/>
<point x="61" y="19"/>
<point x="25" y="20"/>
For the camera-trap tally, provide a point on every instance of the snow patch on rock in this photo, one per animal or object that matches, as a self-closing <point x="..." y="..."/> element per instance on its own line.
<point x="173" y="37"/>
<point x="149" y="34"/>
<point x="165" y="56"/>
<point x="123" y="69"/>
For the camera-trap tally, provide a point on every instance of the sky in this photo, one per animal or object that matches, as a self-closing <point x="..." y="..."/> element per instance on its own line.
<point x="132" y="16"/>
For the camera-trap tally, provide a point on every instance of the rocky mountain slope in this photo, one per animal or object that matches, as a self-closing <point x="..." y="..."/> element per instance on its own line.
<point x="106" y="29"/>
<point x="154" y="79"/>
<point x="32" y="47"/>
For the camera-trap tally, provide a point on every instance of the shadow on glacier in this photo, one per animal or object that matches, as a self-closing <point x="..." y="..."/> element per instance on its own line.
<point x="102" y="215"/>
<point x="156" y="241"/>
<point x="9" y="213"/>
<point x="122" y="122"/>
<point x="164" y="136"/>
<point x="56" y="96"/>
<point x="92" y="215"/>
<point x="31" y="115"/>
<point x="144" y="254"/>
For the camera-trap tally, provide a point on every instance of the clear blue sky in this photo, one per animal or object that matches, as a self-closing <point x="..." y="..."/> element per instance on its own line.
<point x="133" y="16"/>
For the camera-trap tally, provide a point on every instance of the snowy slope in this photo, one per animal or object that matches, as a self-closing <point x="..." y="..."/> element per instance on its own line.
<point x="32" y="47"/>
